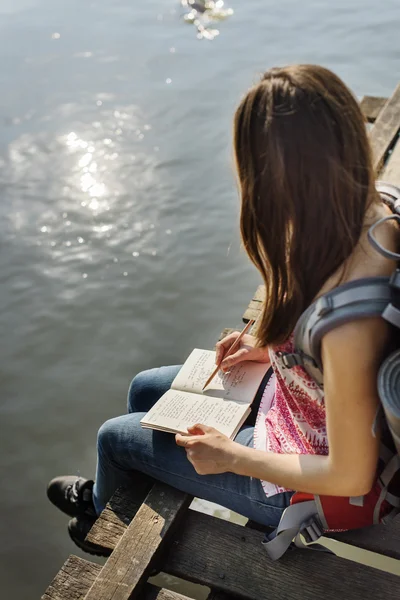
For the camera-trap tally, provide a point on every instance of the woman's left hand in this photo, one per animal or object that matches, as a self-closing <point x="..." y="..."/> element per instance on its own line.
<point x="209" y="451"/>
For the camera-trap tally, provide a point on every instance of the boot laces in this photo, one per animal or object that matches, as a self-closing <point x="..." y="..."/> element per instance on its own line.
<point x="72" y="492"/>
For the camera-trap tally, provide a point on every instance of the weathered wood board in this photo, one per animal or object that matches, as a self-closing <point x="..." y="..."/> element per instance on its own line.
<point x="77" y="576"/>
<point x="198" y="554"/>
<point x="229" y="557"/>
<point x="385" y="129"/>
<point x="119" y="512"/>
<point x="371" y="106"/>
<point x="383" y="539"/>
<point x="73" y="580"/>
<point x="391" y="171"/>
<point x="137" y="551"/>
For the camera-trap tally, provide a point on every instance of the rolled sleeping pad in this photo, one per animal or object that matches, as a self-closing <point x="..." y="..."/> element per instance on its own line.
<point x="389" y="393"/>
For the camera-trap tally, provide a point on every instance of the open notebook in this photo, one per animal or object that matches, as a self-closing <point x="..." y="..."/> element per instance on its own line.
<point x="224" y="404"/>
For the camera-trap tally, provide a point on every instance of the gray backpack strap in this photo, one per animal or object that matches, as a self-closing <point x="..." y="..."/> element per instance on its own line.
<point x="368" y="297"/>
<point x="299" y="521"/>
<point x="374" y="242"/>
<point x="390" y="194"/>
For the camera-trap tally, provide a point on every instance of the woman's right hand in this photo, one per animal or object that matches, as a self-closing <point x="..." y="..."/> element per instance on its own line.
<point x="247" y="350"/>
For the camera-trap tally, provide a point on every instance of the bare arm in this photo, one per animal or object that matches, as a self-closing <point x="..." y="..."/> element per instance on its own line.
<point x="351" y="356"/>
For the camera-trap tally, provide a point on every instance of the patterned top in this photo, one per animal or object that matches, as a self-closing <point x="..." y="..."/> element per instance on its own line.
<point x="292" y="417"/>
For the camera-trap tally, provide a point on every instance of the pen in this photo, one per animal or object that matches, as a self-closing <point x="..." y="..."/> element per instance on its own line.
<point x="230" y="350"/>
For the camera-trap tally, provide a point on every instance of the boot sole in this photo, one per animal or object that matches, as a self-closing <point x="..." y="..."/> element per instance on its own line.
<point x="102" y="553"/>
<point x="90" y="549"/>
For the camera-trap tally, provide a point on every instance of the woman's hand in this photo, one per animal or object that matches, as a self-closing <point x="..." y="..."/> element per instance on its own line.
<point x="209" y="451"/>
<point x="247" y="350"/>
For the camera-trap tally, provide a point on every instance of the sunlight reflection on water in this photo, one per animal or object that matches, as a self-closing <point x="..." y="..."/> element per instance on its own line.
<point x="93" y="207"/>
<point x="203" y="14"/>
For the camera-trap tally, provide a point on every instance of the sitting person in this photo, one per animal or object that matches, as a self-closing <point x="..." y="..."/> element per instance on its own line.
<point x="307" y="199"/>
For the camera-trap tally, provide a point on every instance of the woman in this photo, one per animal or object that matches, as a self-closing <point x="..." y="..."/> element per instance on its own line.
<point x="307" y="200"/>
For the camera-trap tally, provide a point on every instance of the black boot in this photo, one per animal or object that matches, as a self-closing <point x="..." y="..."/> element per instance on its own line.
<point x="72" y="495"/>
<point x="78" y="528"/>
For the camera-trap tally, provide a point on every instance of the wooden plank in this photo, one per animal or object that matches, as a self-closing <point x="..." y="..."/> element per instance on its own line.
<point x="253" y="311"/>
<point x="260" y="293"/>
<point x="228" y="557"/>
<point x="391" y="172"/>
<point x="152" y="592"/>
<point x="217" y="595"/>
<point x="77" y="576"/>
<point x="119" y="512"/>
<point x="73" y="580"/>
<point x="255" y="305"/>
<point x="385" y="129"/>
<point x="371" y="106"/>
<point x="225" y="332"/>
<point x="135" y="554"/>
<point x="383" y="539"/>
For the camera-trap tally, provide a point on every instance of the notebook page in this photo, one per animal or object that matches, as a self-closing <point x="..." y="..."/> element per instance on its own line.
<point x="176" y="411"/>
<point x="240" y="384"/>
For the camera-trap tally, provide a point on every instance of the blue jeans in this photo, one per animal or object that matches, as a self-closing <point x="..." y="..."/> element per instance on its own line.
<point x="124" y="446"/>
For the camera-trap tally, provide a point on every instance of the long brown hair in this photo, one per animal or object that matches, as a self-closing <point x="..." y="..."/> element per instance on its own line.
<point x="306" y="181"/>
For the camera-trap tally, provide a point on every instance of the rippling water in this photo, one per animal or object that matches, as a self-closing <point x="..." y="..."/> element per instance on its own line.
<point x="118" y="213"/>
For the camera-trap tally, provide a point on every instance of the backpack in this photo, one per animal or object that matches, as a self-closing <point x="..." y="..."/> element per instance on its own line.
<point x="309" y="516"/>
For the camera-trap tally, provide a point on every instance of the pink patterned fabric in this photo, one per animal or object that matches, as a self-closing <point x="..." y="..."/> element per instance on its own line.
<point x="291" y="418"/>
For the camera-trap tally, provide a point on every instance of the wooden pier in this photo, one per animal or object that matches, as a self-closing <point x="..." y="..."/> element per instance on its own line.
<point x="151" y="527"/>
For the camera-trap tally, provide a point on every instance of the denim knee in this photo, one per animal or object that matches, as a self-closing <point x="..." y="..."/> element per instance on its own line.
<point x="137" y="386"/>
<point x="148" y="387"/>
<point x="107" y="437"/>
